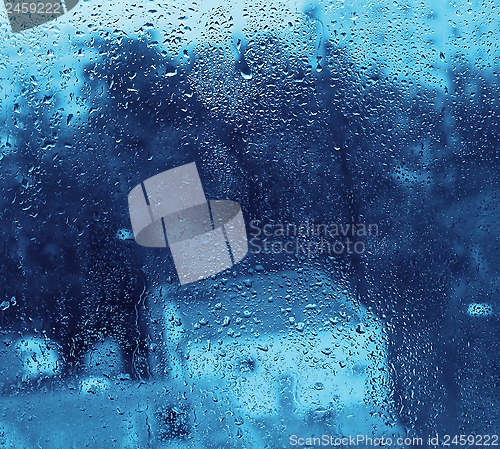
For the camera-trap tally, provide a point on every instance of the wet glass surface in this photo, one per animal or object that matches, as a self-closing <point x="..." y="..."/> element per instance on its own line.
<point x="360" y="140"/>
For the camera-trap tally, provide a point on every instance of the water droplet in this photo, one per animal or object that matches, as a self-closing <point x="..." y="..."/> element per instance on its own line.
<point x="244" y="69"/>
<point x="171" y="71"/>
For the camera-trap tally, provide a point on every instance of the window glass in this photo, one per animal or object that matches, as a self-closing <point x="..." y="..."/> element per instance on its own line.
<point x="245" y="224"/>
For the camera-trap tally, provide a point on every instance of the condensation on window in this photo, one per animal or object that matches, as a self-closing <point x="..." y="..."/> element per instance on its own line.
<point x="360" y="140"/>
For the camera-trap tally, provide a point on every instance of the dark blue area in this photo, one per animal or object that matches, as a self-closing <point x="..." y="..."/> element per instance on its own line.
<point x="78" y="284"/>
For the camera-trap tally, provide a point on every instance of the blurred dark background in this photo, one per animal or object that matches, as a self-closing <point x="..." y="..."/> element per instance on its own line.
<point x="289" y="143"/>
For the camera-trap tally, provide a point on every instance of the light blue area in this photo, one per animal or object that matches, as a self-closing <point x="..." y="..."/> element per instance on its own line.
<point x="480" y="309"/>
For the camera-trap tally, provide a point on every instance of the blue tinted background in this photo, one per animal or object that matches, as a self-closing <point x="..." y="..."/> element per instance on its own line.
<point x="344" y="112"/>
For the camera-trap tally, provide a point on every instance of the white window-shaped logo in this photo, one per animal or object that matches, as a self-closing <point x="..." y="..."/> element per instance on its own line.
<point x="205" y="237"/>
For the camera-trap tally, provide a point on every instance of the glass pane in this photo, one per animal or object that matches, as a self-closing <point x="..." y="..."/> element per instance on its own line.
<point x="243" y="224"/>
